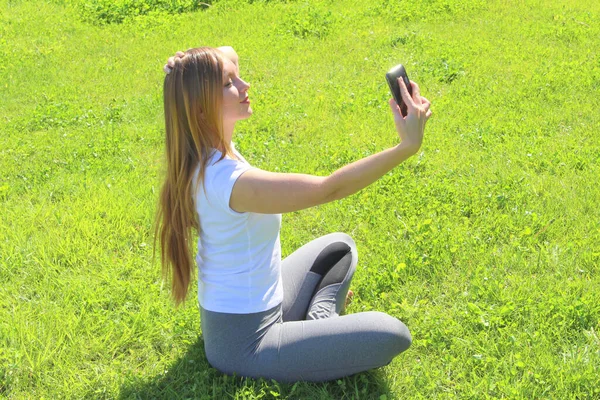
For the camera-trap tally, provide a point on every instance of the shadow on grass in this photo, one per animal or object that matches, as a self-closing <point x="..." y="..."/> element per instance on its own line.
<point x="191" y="377"/>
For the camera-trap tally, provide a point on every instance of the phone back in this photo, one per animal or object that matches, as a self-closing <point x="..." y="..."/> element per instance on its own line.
<point x="392" y="79"/>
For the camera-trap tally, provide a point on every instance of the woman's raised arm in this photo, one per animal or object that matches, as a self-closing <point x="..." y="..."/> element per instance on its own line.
<point x="275" y="193"/>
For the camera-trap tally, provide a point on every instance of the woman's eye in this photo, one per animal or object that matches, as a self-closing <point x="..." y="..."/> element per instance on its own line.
<point x="228" y="84"/>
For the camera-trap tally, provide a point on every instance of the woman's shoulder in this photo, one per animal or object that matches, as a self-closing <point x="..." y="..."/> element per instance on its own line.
<point x="221" y="168"/>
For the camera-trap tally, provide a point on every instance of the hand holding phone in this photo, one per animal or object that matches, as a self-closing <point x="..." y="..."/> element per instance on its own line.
<point x="392" y="79"/>
<point x="410" y="128"/>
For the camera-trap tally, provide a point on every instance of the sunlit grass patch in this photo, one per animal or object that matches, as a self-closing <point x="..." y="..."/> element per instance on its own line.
<point x="485" y="243"/>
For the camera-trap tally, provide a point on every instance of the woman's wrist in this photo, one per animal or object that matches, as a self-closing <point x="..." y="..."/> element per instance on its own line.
<point x="407" y="148"/>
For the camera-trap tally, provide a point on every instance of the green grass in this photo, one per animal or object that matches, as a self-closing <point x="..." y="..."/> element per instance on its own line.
<point x="486" y="244"/>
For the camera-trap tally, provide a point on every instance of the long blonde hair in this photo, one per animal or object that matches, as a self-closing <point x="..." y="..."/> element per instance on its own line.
<point x="193" y="94"/>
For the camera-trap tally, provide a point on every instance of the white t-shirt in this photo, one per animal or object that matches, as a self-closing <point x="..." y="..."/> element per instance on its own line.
<point x="239" y="254"/>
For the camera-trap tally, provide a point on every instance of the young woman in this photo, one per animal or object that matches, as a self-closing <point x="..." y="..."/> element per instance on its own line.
<point x="262" y="316"/>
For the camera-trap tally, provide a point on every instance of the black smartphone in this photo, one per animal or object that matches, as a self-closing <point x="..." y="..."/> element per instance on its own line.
<point x="392" y="79"/>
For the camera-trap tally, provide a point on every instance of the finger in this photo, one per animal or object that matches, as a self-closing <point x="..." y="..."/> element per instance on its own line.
<point x="425" y="103"/>
<point x="428" y="113"/>
<point x="416" y="95"/>
<point x="167" y="69"/>
<point x="395" y="109"/>
<point x="410" y="104"/>
<point x="171" y="62"/>
<point x="416" y="92"/>
<point x="180" y="54"/>
<point x="426" y="106"/>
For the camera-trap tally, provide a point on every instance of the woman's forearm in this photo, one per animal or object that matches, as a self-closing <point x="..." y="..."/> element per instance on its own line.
<point x="356" y="176"/>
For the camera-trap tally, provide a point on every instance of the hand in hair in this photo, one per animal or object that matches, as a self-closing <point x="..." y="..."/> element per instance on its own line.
<point x="171" y="61"/>
<point x="228" y="51"/>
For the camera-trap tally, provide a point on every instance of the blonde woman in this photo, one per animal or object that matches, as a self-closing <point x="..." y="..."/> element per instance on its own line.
<point x="262" y="316"/>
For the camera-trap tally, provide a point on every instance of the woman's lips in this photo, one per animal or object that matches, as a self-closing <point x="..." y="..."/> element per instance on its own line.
<point x="246" y="100"/>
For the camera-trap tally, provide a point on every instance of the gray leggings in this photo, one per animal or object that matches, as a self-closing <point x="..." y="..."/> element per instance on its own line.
<point x="305" y="338"/>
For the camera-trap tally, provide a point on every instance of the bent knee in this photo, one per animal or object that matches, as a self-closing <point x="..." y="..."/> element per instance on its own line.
<point x="398" y="336"/>
<point x="404" y="337"/>
<point x="344" y="238"/>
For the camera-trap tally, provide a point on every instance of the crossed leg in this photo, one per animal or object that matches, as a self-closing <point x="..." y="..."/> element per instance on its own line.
<point x="316" y="277"/>
<point x="305" y="338"/>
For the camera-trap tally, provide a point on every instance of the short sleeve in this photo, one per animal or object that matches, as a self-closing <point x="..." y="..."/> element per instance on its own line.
<point x="222" y="176"/>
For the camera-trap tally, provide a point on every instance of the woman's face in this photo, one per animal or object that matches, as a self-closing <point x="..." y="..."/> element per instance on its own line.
<point x="234" y="93"/>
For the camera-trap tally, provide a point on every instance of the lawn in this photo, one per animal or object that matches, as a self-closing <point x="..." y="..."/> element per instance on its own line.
<point x="486" y="243"/>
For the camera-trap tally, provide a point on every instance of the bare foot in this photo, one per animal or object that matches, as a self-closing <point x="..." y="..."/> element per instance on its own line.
<point x="349" y="298"/>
